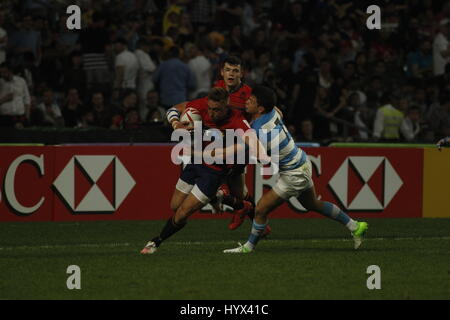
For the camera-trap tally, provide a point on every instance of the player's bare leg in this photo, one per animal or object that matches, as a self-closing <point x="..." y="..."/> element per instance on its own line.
<point x="269" y="202"/>
<point x="177" y="199"/>
<point x="309" y="200"/>
<point x="188" y="206"/>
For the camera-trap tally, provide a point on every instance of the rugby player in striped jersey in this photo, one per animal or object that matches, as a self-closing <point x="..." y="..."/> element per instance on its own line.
<point x="295" y="170"/>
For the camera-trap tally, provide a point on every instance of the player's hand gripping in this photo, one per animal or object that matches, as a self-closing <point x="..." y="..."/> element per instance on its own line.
<point x="182" y="125"/>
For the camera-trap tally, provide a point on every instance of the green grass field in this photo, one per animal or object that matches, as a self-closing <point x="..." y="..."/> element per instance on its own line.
<point x="302" y="259"/>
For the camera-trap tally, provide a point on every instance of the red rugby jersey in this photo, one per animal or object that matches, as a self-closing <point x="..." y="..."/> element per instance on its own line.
<point x="236" y="120"/>
<point x="238" y="96"/>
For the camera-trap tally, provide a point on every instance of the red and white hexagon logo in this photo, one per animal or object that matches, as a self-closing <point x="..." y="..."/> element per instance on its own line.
<point x="375" y="183"/>
<point x="94" y="184"/>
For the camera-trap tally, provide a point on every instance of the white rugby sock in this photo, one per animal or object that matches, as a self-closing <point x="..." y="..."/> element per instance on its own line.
<point x="352" y="225"/>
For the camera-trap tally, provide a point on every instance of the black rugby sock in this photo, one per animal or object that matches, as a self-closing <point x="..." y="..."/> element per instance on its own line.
<point x="169" y="229"/>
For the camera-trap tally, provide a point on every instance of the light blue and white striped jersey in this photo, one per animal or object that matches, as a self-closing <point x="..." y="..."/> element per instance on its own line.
<point x="273" y="134"/>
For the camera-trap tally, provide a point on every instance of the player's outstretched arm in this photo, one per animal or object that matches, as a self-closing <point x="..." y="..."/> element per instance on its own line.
<point x="256" y="149"/>
<point x="248" y="141"/>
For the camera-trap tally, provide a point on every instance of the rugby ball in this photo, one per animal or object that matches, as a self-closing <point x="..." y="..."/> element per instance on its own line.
<point x="190" y="115"/>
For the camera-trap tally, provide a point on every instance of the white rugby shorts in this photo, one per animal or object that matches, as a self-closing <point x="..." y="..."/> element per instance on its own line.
<point x="293" y="182"/>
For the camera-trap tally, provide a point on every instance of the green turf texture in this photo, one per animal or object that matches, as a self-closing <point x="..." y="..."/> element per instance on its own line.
<point x="302" y="259"/>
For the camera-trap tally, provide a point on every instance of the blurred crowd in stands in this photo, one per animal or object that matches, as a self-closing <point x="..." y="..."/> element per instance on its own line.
<point x="335" y="79"/>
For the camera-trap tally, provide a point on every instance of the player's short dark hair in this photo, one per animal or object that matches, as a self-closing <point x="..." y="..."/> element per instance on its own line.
<point x="218" y="94"/>
<point x="265" y="97"/>
<point x="232" y="60"/>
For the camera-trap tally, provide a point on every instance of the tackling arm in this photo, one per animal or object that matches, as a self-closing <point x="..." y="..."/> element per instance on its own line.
<point x="250" y="140"/>
<point x="173" y="115"/>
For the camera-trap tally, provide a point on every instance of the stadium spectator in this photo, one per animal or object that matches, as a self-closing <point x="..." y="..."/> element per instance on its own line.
<point x="172" y="16"/>
<point x="174" y="79"/>
<point x="322" y="108"/>
<point x="51" y="110"/>
<point x="156" y="50"/>
<point x="149" y="27"/>
<point x="410" y="127"/>
<point x="36" y="118"/>
<point x="152" y="105"/>
<point x="129" y="33"/>
<point x="236" y="40"/>
<point x="420" y="62"/>
<point x="14" y="98"/>
<point x="388" y="121"/>
<point x="363" y="119"/>
<point x="441" y="48"/>
<point x="74" y="75"/>
<point x="98" y="114"/>
<point x="375" y="90"/>
<point x="306" y="131"/>
<point x="185" y="30"/>
<point x="263" y="65"/>
<point x="72" y="109"/>
<point x="155" y="116"/>
<point x="67" y="40"/>
<point x="132" y="119"/>
<point x="129" y="101"/>
<point x="439" y="115"/>
<point x="93" y="40"/>
<point x="126" y="66"/>
<point x="201" y="67"/>
<point x="26" y="39"/>
<point x="146" y="69"/>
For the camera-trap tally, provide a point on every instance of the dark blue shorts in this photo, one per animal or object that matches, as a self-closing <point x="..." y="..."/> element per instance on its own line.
<point x="202" y="181"/>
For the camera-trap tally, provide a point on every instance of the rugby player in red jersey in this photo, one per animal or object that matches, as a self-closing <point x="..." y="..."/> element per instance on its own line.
<point x="198" y="183"/>
<point x="238" y="198"/>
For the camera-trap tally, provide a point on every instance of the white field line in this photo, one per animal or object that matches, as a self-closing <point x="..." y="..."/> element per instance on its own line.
<point x="195" y="243"/>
